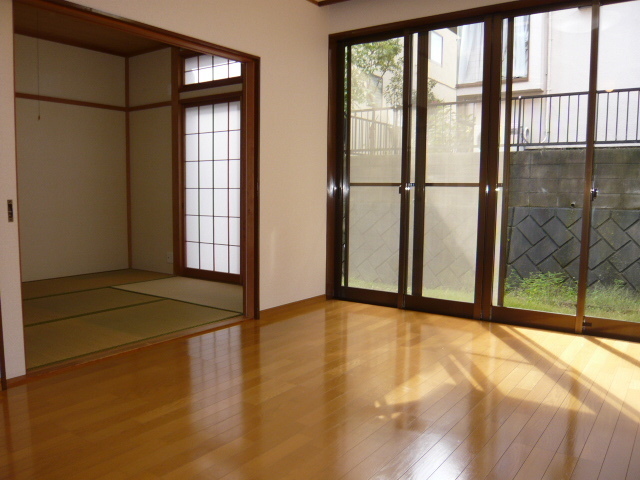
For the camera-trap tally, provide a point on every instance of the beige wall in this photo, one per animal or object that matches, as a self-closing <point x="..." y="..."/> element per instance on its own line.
<point x="71" y="161"/>
<point x="68" y="72"/>
<point x="150" y="78"/>
<point x="151" y="162"/>
<point x="72" y="189"/>
<point x="151" y="189"/>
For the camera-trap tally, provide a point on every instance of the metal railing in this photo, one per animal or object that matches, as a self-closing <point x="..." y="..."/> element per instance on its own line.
<point x="451" y="127"/>
<point x="376" y="131"/>
<point x="538" y="121"/>
<point x="561" y="119"/>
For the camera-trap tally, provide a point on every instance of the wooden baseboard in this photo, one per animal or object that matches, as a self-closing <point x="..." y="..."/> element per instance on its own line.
<point x="271" y="313"/>
<point x="15" y="381"/>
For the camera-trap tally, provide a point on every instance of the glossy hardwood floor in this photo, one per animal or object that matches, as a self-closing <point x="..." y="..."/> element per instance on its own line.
<point x="337" y="390"/>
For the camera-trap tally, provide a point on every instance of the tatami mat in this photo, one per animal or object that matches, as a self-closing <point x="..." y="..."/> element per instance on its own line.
<point x="200" y="292"/>
<point x="52" y="342"/>
<point x="55" y="307"/>
<point x="56" y="286"/>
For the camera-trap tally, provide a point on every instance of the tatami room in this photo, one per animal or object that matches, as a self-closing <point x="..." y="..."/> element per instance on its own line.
<point x="95" y="143"/>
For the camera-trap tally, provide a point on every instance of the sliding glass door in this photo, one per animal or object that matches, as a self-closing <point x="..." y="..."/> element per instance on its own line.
<point x="411" y="166"/>
<point x="613" y="278"/>
<point x="372" y="169"/>
<point x="568" y="240"/>
<point x="490" y="169"/>
<point x="542" y="165"/>
<point x="444" y="209"/>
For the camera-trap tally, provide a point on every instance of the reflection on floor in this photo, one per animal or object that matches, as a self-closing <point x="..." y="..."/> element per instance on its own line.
<point x="70" y="317"/>
<point x="333" y="390"/>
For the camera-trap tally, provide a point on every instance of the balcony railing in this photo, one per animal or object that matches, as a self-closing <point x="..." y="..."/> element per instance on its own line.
<point x="376" y="131"/>
<point x="561" y="119"/>
<point x="451" y="127"/>
<point x="538" y="121"/>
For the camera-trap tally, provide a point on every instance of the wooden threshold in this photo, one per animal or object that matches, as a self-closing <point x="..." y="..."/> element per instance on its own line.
<point x="124" y="349"/>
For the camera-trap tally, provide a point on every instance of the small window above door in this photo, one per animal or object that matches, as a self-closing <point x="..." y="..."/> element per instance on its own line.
<point x="208" y="68"/>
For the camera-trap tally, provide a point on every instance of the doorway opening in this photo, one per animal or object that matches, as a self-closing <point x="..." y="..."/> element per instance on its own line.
<point x="100" y="112"/>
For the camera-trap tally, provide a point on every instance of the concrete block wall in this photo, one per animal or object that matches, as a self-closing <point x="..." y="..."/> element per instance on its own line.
<point x="545" y="214"/>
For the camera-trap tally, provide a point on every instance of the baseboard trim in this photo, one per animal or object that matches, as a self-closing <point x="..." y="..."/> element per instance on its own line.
<point x="271" y="313"/>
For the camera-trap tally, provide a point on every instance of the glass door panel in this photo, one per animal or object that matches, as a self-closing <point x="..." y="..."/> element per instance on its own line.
<point x="542" y="163"/>
<point x="451" y="226"/>
<point x="448" y="163"/>
<point x="373" y="165"/>
<point x="614" y="256"/>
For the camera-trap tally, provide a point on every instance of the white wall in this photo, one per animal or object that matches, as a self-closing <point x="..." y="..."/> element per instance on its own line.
<point x="71" y="161"/>
<point x="151" y="162"/>
<point x="68" y="72"/>
<point x="356" y="14"/>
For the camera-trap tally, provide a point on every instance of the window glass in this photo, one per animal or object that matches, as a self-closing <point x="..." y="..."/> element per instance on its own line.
<point x="435" y="47"/>
<point x="206" y="68"/>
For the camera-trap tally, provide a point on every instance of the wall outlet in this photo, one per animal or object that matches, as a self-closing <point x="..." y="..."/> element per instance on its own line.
<point x="169" y="257"/>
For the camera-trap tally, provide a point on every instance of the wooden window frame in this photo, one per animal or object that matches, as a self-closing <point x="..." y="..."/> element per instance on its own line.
<point x="184" y="87"/>
<point x="183" y="269"/>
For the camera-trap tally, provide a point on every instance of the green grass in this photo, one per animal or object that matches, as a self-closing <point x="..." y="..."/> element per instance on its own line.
<point x="449" y="294"/>
<point x="440" y="293"/>
<point x="557" y="293"/>
<point x="545" y="292"/>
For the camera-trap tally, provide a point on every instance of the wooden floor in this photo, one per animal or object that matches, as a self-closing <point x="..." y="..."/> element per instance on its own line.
<point x="337" y="390"/>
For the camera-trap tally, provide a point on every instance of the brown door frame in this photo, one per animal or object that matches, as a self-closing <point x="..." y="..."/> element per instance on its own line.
<point x="250" y="125"/>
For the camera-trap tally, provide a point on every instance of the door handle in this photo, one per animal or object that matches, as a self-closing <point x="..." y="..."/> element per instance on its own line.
<point x="594" y="193"/>
<point x="408" y="187"/>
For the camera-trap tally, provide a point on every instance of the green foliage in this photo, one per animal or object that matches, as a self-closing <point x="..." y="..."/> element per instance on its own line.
<point x="380" y="66"/>
<point x="557" y="292"/>
<point x="371" y="63"/>
<point x="549" y="287"/>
